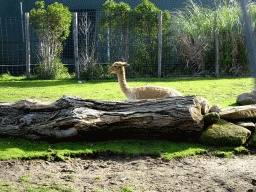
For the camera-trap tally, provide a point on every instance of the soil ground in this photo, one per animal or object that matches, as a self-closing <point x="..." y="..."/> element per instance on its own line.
<point x="141" y="173"/>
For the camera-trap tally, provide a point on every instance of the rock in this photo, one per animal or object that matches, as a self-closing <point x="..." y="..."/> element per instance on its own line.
<point x="225" y="133"/>
<point x="247" y="125"/>
<point x="252" y="141"/>
<point x="211" y="118"/>
<point x="247" y="98"/>
<point x="215" y="108"/>
<point x="239" y="112"/>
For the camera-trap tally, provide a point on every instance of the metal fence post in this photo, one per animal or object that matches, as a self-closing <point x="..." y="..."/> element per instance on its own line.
<point x="27" y="45"/>
<point x="216" y="47"/>
<point x="75" y="35"/>
<point x="159" y="44"/>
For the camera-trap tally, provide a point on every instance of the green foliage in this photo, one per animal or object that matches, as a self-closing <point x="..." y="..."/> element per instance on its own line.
<point x="55" y="20"/>
<point x="145" y="29"/>
<point x="195" y="22"/>
<point x="92" y="71"/>
<point x="51" y="26"/>
<point x="142" y="23"/>
<point x="56" y="72"/>
<point x="6" y="76"/>
<point x="115" y="17"/>
<point x="146" y="19"/>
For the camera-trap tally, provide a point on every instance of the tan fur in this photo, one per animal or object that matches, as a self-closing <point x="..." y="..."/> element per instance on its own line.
<point x="146" y="92"/>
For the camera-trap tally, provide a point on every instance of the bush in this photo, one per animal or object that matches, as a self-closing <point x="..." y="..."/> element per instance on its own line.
<point x="56" y="72"/>
<point x="51" y="26"/>
<point x="92" y="71"/>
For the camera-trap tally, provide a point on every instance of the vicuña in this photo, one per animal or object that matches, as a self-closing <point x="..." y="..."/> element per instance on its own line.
<point x="146" y="92"/>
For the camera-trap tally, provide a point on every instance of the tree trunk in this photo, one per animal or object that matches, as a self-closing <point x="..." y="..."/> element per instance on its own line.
<point x="94" y="120"/>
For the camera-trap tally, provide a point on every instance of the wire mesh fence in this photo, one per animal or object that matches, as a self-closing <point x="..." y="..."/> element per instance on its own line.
<point x="130" y="42"/>
<point x="99" y="47"/>
<point x="103" y="40"/>
<point x="12" y="52"/>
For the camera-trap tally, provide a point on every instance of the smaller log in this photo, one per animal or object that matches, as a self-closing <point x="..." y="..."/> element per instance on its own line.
<point x="87" y="119"/>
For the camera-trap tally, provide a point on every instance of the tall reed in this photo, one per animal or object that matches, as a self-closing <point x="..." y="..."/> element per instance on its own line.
<point x="194" y="32"/>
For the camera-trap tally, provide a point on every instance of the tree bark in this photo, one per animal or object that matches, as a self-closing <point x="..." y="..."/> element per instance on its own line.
<point x="94" y="120"/>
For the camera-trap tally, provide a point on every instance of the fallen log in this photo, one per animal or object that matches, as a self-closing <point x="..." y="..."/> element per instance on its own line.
<point x="92" y="120"/>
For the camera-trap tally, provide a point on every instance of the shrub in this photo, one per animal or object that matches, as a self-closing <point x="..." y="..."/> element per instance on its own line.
<point x="92" y="71"/>
<point x="57" y="71"/>
<point x="51" y="27"/>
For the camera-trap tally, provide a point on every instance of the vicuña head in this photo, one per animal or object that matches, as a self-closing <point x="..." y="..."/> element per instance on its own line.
<point x="146" y="92"/>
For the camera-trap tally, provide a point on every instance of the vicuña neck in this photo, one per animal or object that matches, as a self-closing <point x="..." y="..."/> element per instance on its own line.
<point x="122" y="81"/>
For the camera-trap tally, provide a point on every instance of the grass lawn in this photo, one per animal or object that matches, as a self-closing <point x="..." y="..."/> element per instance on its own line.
<point x="221" y="91"/>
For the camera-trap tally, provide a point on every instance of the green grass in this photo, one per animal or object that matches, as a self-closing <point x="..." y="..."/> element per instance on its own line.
<point x="18" y="148"/>
<point x="8" y="187"/>
<point x="221" y="91"/>
<point x="25" y="178"/>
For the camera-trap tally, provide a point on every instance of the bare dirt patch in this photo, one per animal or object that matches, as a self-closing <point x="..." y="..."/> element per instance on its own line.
<point x="142" y="173"/>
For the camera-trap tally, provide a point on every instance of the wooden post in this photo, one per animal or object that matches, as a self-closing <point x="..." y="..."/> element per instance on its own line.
<point x="159" y="43"/>
<point x="27" y="45"/>
<point x="75" y="35"/>
<point x="127" y="45"/>
<point x="216" y="47"/>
